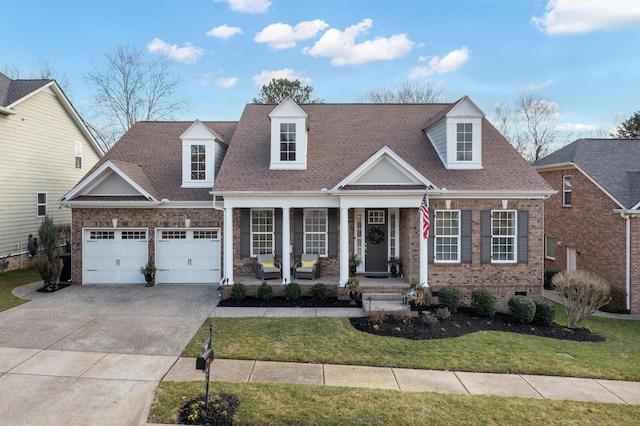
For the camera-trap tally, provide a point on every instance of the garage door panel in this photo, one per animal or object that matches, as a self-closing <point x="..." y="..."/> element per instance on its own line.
<point x="114" y="256"/>
<point x="184" y="256"/>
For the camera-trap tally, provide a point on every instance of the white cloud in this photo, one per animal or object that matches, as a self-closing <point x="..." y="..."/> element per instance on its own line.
<point x="576" y="127"/>
<point x="188" y="54"/>
<point x="537" y="86"/>
<point x="284" y="36"/>
<point x="227" y="82"/>
<point x="266" y="76"/>
<point x="224" y="31"/>
<point x="579" y="17"/>
<point x="342" y="48"/>
<point x="248" y="6"/>
<point x="451" y="62"/>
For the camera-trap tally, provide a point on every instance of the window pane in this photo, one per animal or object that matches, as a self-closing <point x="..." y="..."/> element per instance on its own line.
<point x="315" y="232"/>
<point x="503" y="235"/>
<point x="447" y="235"/>
<point x="551" y="247"/>
<point x="261" y="232"/>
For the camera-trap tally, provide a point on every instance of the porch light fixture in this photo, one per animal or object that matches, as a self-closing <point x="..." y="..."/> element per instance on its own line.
<point x="447" y="204"/>
<point x="504" y="204"/>
<point x="187" y="222"/>
<point x="114" y="222"/>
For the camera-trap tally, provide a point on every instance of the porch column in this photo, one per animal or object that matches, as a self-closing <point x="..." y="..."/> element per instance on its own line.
<point x="424" y="254"/>
<point x="228" y="245"/>
<point x="344" y="245"/>
<point x="286" y="246"/>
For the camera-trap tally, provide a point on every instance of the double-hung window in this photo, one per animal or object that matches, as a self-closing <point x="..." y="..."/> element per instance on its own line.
<point x="447" y="235"/>
<point x="41" y="204"/>
<point x="262" y="232"/>
<point x="315" y="232"/>
<point x="566" y="191"/>
<point x="464" y="141"/>
<point x="198" y="162"/>
<point x="503" y="236"/>
<point x="78" y="154"/>
<point x="550" y="248"/>
<point x="287" y="141"/>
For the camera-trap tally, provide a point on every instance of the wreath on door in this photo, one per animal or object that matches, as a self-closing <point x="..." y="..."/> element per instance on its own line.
<point x="375" y="235"/>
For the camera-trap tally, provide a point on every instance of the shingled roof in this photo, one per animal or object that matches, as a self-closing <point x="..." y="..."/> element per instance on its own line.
<point x="611" y="163"/>
<point x="14" y="90"/>
<point x="343" y="136"/>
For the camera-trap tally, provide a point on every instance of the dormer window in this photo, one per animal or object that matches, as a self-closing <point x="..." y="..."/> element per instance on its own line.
<point x="198" y="163"/>
<point x="464" y="138"/>
<point x="198" y="156"/>
<point x="287" y="141"/>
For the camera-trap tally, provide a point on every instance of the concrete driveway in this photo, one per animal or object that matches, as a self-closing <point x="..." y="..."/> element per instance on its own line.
<point x="94" y="354"/>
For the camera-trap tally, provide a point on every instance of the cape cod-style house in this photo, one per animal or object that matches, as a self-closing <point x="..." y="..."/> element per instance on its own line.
<point x="204" y="199"/>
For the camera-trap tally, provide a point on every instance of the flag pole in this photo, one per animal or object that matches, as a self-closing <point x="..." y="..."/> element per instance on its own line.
<point x="424" y="234"/>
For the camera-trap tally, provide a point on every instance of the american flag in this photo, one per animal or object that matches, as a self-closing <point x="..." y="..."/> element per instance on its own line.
<point x="424" y="208"/>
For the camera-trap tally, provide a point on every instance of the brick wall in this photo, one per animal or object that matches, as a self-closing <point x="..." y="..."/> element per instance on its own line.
<point x="137" y="218"/>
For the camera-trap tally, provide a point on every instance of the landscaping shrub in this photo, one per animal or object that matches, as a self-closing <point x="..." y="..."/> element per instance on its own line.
<point x="484" y="302"/>
<point x="376" y="317"/>
<point x="450" y="298"/>
<point x="429" y="319"/>
<point x="522" y="309"/>
<point x="545" y="312"/>
<point x="319" y="291"/>
<point x="292" y="291"/>
<point x="443" y="314"/>
<point x="238" y="292"/>
<point x="618" y="303"/>
<point x="402" y="316"/>
<point x="548" y="276"/>
<point x="581" y="294"/>
<point x="265" y="292"/>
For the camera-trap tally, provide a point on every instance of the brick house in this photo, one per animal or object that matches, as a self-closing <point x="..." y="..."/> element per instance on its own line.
<point x="592" y="221"/>
<point x="336" y="180"/>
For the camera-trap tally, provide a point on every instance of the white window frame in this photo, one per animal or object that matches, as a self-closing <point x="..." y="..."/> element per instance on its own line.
<point x="376" y="217"/>
<point x="198" y="166"/>
<point x="439" y="236"/>
<point x="466" y="152"/>
<point x="266" y="233"/>
<point x="358" y="237"/>
<point x="40" y="204"/>
<point x="565" y="191"/>
<point x="287" y="133"/>
<point x="550" y="242"/>
<point x="78" y="155"/>
<point x="512" y="239"/>
<point x="309" y="214"/>
<point x="394" y="248"/>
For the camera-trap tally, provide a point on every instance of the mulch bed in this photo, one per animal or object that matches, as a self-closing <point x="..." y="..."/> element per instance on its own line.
<point x="465" y="321"/>
<point x="283" y="302"/>
<point x="220" y="411"/>
<point x="50" y="289"/>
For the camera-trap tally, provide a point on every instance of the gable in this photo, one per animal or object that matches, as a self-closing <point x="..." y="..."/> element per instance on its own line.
<point x="112" y="184"/>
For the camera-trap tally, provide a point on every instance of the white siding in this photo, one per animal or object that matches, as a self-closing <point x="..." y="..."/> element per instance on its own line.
<point x="38" y="155"/>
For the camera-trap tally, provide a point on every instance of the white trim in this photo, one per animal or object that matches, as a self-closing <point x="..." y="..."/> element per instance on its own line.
<point x="38" y="203"/>
<point x="273" y="230"/>
<point x="325" y="233"/>
<point x="436" y="236"/>
<point x="514" y="236"/>
<point x="564" y="192"/>
<point x="546" y="246"/>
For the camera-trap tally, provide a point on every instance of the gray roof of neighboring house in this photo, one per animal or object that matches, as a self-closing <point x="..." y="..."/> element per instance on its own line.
<point x="612" y="163"/>
<point x="343" y="136"/>
<point x="13" y="90"/>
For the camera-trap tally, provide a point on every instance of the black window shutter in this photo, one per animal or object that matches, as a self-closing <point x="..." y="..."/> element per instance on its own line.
<point x="277" y="230"/>
<point x="523" y="236"/>
<point x="245" y="233"/>
<point x="332" y="232"/>
<point x="485" y="236"/>
<point x="298" y="232"/>
<point x="430" y="239"/>
<point x="465" y="233"/>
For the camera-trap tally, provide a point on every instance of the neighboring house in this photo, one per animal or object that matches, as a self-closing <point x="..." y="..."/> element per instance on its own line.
<point x="592" y="222"/>
<point x="332" y="179"/>
<point x="46" y="149"/>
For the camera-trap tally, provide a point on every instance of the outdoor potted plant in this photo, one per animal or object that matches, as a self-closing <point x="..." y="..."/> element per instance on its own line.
<point x="353" y="265"/>
<point x="393" y="263"/>
<point x="352" y="289"/>
<point x="149" y="272"/>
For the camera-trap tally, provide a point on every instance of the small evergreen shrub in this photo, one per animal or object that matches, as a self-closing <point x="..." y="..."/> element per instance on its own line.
<point x="522" y="309"/>
<point x="376" y="317"/>
<point x="238" y="292"/>
<point x="548" y="276"/>
<point x="265" y="291"/>
<point x="443" y="314"/>
<point x="292" y="291"/>
<point x="484" y="302"/>
<point x="545" y="312"/>
<point x="402" y="316"/>
<point x="618" y="303"/>
<point x="450" y="298"/>
<point x="319" y="291"/>
<point x="429" y="319"/>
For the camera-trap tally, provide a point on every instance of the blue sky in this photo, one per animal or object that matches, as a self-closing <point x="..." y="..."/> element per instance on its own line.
<point x="583" y="55"/>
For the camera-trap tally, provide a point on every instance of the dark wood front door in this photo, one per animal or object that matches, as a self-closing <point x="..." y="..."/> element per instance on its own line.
<point x="376" y="237"/>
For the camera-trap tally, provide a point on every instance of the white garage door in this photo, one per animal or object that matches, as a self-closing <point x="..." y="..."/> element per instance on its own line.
<point x="189" y="256"/>
<point x="113" y="256"/>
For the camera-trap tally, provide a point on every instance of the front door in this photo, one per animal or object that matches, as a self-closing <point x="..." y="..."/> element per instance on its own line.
<point x="376" y="240"/>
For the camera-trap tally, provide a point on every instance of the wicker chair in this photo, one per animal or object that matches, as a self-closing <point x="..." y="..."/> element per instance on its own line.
<point x="267" y="268"/>
<point x="308" y="267"/>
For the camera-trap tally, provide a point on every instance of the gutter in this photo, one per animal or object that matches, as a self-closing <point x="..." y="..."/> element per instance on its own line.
<point x="627" y="261"/>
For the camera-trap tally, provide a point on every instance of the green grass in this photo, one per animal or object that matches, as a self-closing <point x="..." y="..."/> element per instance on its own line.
<point x="12" y="279"/>
<point x="334" y="341"/>
<point x="281" y="404"/>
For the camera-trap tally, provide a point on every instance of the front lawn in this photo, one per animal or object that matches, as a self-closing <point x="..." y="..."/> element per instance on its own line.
<point x="12" y="279"/>
<point x="335" y="341"/>
<point x="283" y="404"/>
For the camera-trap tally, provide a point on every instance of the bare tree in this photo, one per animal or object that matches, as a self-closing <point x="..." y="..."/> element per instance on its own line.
<point x="43" y="70"/>
<point x="581" y="293"/>
<point x="130" y="88"/>
<point x="404" y="93"/>
<point x="530" y="126"/>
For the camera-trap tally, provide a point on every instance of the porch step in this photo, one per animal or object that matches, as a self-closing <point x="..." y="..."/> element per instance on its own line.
<point x="389" y="303"/>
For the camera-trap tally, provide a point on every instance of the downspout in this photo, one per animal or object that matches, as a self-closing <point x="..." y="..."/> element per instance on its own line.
<point x="628" y="263"/>
<point x="224" y="214"/>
